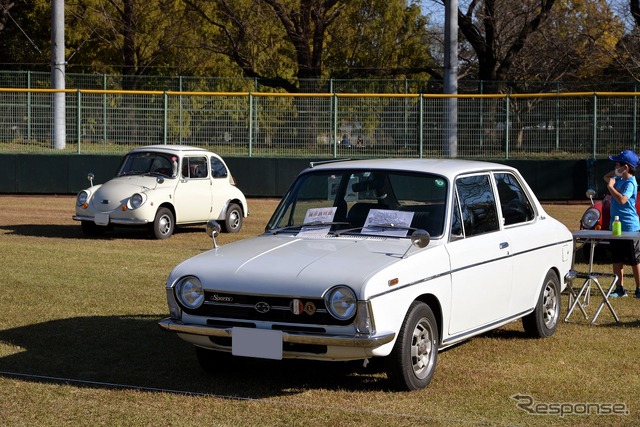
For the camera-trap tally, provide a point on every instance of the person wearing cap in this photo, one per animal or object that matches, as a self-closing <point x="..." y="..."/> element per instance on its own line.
<point x="623" y="187"/>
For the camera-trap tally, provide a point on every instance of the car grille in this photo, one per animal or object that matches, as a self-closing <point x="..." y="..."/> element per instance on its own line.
<point x="305" y="311"/>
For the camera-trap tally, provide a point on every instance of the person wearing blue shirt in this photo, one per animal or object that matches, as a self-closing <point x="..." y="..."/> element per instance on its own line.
<point x="623" y="187"/>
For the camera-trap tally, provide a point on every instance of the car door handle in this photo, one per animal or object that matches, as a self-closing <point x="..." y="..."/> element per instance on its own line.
<point x="504" y="245"/>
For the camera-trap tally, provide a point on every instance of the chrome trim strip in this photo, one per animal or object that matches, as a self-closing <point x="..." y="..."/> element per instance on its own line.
<point x="448" y="272"/>
<point x="359" y="341"/>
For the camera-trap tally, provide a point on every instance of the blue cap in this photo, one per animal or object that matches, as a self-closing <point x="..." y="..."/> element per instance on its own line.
<point x="626" y="156"/>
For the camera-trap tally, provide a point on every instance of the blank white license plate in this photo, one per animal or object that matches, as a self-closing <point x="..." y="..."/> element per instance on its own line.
<point x="262" y="343"/>
<point x="101" y="219"/>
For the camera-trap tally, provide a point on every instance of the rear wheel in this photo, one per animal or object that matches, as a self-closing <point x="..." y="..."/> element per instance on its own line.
<point x="543" y="321"/>
<point x="412" y="362"/>
<point x="233" y="219"/>
<point x="163" y="224"/>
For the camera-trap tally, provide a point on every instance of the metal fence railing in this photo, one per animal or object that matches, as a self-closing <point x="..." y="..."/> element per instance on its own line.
<point x="28" y="79"/>
<point x="323" y="125"/>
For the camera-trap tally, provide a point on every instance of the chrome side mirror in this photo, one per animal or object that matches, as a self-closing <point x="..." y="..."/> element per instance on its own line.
<point x="591" y="193"/>
<point x="90" y="178"/>
<point x="420" y="239"/>
<point x="213" y="230"/>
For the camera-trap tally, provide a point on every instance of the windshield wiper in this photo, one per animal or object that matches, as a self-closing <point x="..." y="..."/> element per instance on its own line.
<point x="383" y="226"/>
<point x="308" y="224"/>
<point x="131" y="172"/>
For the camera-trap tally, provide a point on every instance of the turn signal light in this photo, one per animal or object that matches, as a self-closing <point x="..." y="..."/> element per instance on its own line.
<point x="123" y="208"/>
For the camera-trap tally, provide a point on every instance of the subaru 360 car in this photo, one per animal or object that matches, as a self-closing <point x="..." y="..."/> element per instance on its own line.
<point x="161" y="187"/>
<point x="393" y="259"/>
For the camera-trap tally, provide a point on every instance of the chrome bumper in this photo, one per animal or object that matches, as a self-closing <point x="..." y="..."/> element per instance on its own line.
<point x="359" y="341"/>
<point x="126" y="221"/>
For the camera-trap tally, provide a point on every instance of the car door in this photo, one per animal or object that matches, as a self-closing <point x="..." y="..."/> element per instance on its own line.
<point x="220" y="186"/>
<point x="193" y="192"/>
<point x="526" y="235"/>
<point x="481" y="268"/>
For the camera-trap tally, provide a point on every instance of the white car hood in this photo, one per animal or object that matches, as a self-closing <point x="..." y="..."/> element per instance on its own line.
<point x="289" y="265"/>
<point x="113" y="193"/>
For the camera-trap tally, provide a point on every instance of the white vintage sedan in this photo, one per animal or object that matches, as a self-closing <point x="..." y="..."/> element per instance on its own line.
<point x="162" y="186"/>
<point x="395" y="259"/>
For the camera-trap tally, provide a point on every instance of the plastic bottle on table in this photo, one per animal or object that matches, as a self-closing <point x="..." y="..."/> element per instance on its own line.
<point x="616" y="226"/>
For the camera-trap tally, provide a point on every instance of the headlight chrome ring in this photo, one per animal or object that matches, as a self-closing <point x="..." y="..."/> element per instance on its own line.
<point x="590" y="218"/>
<point x="137" y="200"/>
<point x="189" y="292"/>
<point x="341" y="302"/>
<point x="82" y="198"/>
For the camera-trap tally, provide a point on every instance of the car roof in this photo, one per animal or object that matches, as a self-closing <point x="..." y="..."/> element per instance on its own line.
<point x="445" y="167"/>
<point x="172" y="149"/>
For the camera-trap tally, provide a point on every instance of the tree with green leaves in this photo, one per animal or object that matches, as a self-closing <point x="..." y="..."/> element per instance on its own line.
<point x="497" y="31"/>
<point x="289" y="44"/>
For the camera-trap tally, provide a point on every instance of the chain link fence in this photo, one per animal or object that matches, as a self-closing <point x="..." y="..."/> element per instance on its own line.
<point x="322" y="125"/>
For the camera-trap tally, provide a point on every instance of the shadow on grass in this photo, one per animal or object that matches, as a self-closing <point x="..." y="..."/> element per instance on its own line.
<point x="111" y="352"/>
<point x="613" y="324"/>
<point x="75" y="232"/>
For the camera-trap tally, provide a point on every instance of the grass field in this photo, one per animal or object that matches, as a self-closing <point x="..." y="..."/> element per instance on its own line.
<point x="80" y="346"/>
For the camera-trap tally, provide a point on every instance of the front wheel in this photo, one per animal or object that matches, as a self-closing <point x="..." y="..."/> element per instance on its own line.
<point x="543" y="321"/>
<point x="233" y="219"/>
<point x="412" y="362"/>
<point x="163" y="224"/>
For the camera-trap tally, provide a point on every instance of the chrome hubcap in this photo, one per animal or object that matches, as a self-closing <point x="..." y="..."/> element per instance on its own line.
<point x="421" y="349"/>
<point x="164" y="225"/>
<point x="550" y="306"/>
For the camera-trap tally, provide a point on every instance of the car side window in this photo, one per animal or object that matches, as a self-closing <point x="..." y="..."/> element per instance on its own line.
<point x="456" y="221"/>
<point x="218" y="169"/>
<point x="477" y="201"/>
<point x="194" y="167"/>
<point x="515" y="206"/>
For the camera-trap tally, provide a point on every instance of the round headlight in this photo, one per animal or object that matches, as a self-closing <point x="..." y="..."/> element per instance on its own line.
<point x="189" y="292"/>
<point x="341" y="302"/>
<point x="137" y="200"/>
<point x="82" y="198"/>
<point x="590" y="218"/>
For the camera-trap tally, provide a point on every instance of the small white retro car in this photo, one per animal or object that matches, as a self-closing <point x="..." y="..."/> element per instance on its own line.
<point x="162" y="186"/>
<point x="395" y="259"/>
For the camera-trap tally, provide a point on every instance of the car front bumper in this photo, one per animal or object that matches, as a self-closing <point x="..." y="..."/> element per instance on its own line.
<point x="113" y="220"/>
<point x="354" y="341"/>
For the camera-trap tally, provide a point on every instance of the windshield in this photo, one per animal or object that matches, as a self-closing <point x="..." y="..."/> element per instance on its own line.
<point x="363" y="201"/>
<point x="149" y="163"/>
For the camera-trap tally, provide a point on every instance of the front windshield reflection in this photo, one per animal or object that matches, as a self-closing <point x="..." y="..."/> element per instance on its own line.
<point x="363" y="202"/>
<point x="149" y="163"/>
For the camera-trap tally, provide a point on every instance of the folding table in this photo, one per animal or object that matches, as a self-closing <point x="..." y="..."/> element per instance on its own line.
<point x="591" y="277"/>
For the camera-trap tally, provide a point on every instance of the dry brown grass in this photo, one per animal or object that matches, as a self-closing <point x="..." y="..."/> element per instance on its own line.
<point x="79" y="345"/>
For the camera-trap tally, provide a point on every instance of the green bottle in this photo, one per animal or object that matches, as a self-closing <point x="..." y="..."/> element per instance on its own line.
<point x="616" y="226"/>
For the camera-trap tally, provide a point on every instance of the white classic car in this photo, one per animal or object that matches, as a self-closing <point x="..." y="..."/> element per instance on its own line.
<point x="378" y="258"/>
<point x="164" y="186"/>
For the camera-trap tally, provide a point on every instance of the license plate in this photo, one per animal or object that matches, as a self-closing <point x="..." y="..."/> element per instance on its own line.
<point x="101" y="219"/>
<point x="261" y="343"/>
